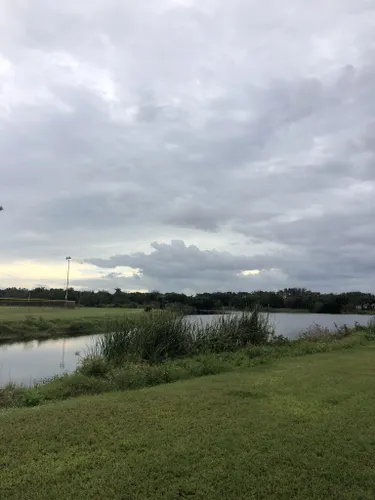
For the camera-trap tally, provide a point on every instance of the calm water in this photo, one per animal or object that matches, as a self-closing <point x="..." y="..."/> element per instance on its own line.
<point x="27" y="362"/>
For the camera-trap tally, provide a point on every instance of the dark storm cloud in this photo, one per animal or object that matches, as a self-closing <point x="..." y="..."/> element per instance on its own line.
<point x="207" y="122"/>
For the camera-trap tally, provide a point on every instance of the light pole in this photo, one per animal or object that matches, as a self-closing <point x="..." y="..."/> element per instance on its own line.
<point x="68" y="259"/>
<point x="62" y="364"/>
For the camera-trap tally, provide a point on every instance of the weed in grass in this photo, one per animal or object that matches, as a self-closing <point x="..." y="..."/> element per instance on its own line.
<point x="32" y="397"/>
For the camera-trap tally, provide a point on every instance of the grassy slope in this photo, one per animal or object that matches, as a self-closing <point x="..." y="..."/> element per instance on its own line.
<point x="51" y="313"/>
<point x="28" y="323"/>
<point x="302" y="428"/>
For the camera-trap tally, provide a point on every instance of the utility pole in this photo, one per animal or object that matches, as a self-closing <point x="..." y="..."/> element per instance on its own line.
<point x="68" y="259"/>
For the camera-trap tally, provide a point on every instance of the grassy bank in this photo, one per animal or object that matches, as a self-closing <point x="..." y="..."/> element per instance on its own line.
<point x="36" y="323"/>
<point x="96" y="374"/>
<point x="299" y="428"/>
<point x="162" y="347"/>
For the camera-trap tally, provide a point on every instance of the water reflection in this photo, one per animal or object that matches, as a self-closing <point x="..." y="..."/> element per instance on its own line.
<point x="62" y="364"/>
<point x="26" y="362"/>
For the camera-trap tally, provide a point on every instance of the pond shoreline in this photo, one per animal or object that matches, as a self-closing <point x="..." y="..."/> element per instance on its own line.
<point x="96" y="375"/>
<point x="17" y="336"/>
<point x="25" y="359"/>
<point x="40" y="328"/>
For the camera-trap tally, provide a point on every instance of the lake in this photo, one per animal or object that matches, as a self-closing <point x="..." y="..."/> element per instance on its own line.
<point x="24" y="363"/>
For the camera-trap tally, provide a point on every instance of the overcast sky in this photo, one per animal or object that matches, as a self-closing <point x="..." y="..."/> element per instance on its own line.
<point x="188" y="145"/>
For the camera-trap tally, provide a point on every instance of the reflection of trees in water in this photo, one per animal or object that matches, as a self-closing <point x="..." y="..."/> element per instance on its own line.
<point x="62" y="364"/>
<point x="27" y="346"/>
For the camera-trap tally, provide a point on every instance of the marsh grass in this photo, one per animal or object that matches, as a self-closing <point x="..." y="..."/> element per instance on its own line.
<point x="160" y="335"/>
<point x="150" y="337"/>
<point x="316" y="332"/>
<point x="96" y="375"/>
<point x="230" y="333"/>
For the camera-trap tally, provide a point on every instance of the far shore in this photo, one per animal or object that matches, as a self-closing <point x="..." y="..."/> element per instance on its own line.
<point x="25" y="324"/>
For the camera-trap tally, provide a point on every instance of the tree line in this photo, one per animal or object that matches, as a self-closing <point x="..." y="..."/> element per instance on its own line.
<point x="288" y="298"/>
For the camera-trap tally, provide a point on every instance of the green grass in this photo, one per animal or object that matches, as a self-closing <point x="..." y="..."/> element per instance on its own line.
<point x="10" y="313"/>
<point x="29" y="323"/>
<point x="96" y="375"/>
<point x="300" y="428"/>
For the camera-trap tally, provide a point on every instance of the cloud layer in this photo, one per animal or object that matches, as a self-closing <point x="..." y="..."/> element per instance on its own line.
<point x="237" y="135"/>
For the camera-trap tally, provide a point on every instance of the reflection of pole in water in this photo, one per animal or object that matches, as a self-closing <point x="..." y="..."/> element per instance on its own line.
<point x="62" y="364"/>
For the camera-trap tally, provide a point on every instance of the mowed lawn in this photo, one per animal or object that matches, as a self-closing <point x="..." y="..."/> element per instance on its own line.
<point x="302" y="428"/>
<point x="14" y="313"/>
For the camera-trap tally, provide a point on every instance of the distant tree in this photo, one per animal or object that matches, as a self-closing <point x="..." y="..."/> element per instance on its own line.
<point x="119" y="297"/>
<point x="294" y="298"/>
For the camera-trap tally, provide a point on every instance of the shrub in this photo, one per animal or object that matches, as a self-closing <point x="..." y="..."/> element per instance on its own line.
<point x="371" y="323"/>
<point x="137" y="375"/>
<point x="73" y="385"/>
<point x="358" y="327"/>
<point x="94" y="366"/>
<point x="80" y="328"/>
<point x="314" y="333"/>
<point x="32" y="397"/>
<point x="280" y="340"/>
<point x="12" y="395"/>
<point x="370" y="330"/>
<point x="37" y="323"/>
<point x="342" y="331"/>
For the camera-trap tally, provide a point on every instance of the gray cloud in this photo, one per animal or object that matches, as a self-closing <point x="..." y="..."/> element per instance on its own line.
<point x="215" y="123"/>
<point x="176" y="266"/>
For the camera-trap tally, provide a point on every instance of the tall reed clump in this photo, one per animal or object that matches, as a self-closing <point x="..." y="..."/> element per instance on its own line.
<point x="230" y="333"/>
<point x="161" y="335"/>
<point x="151" y="337"/>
